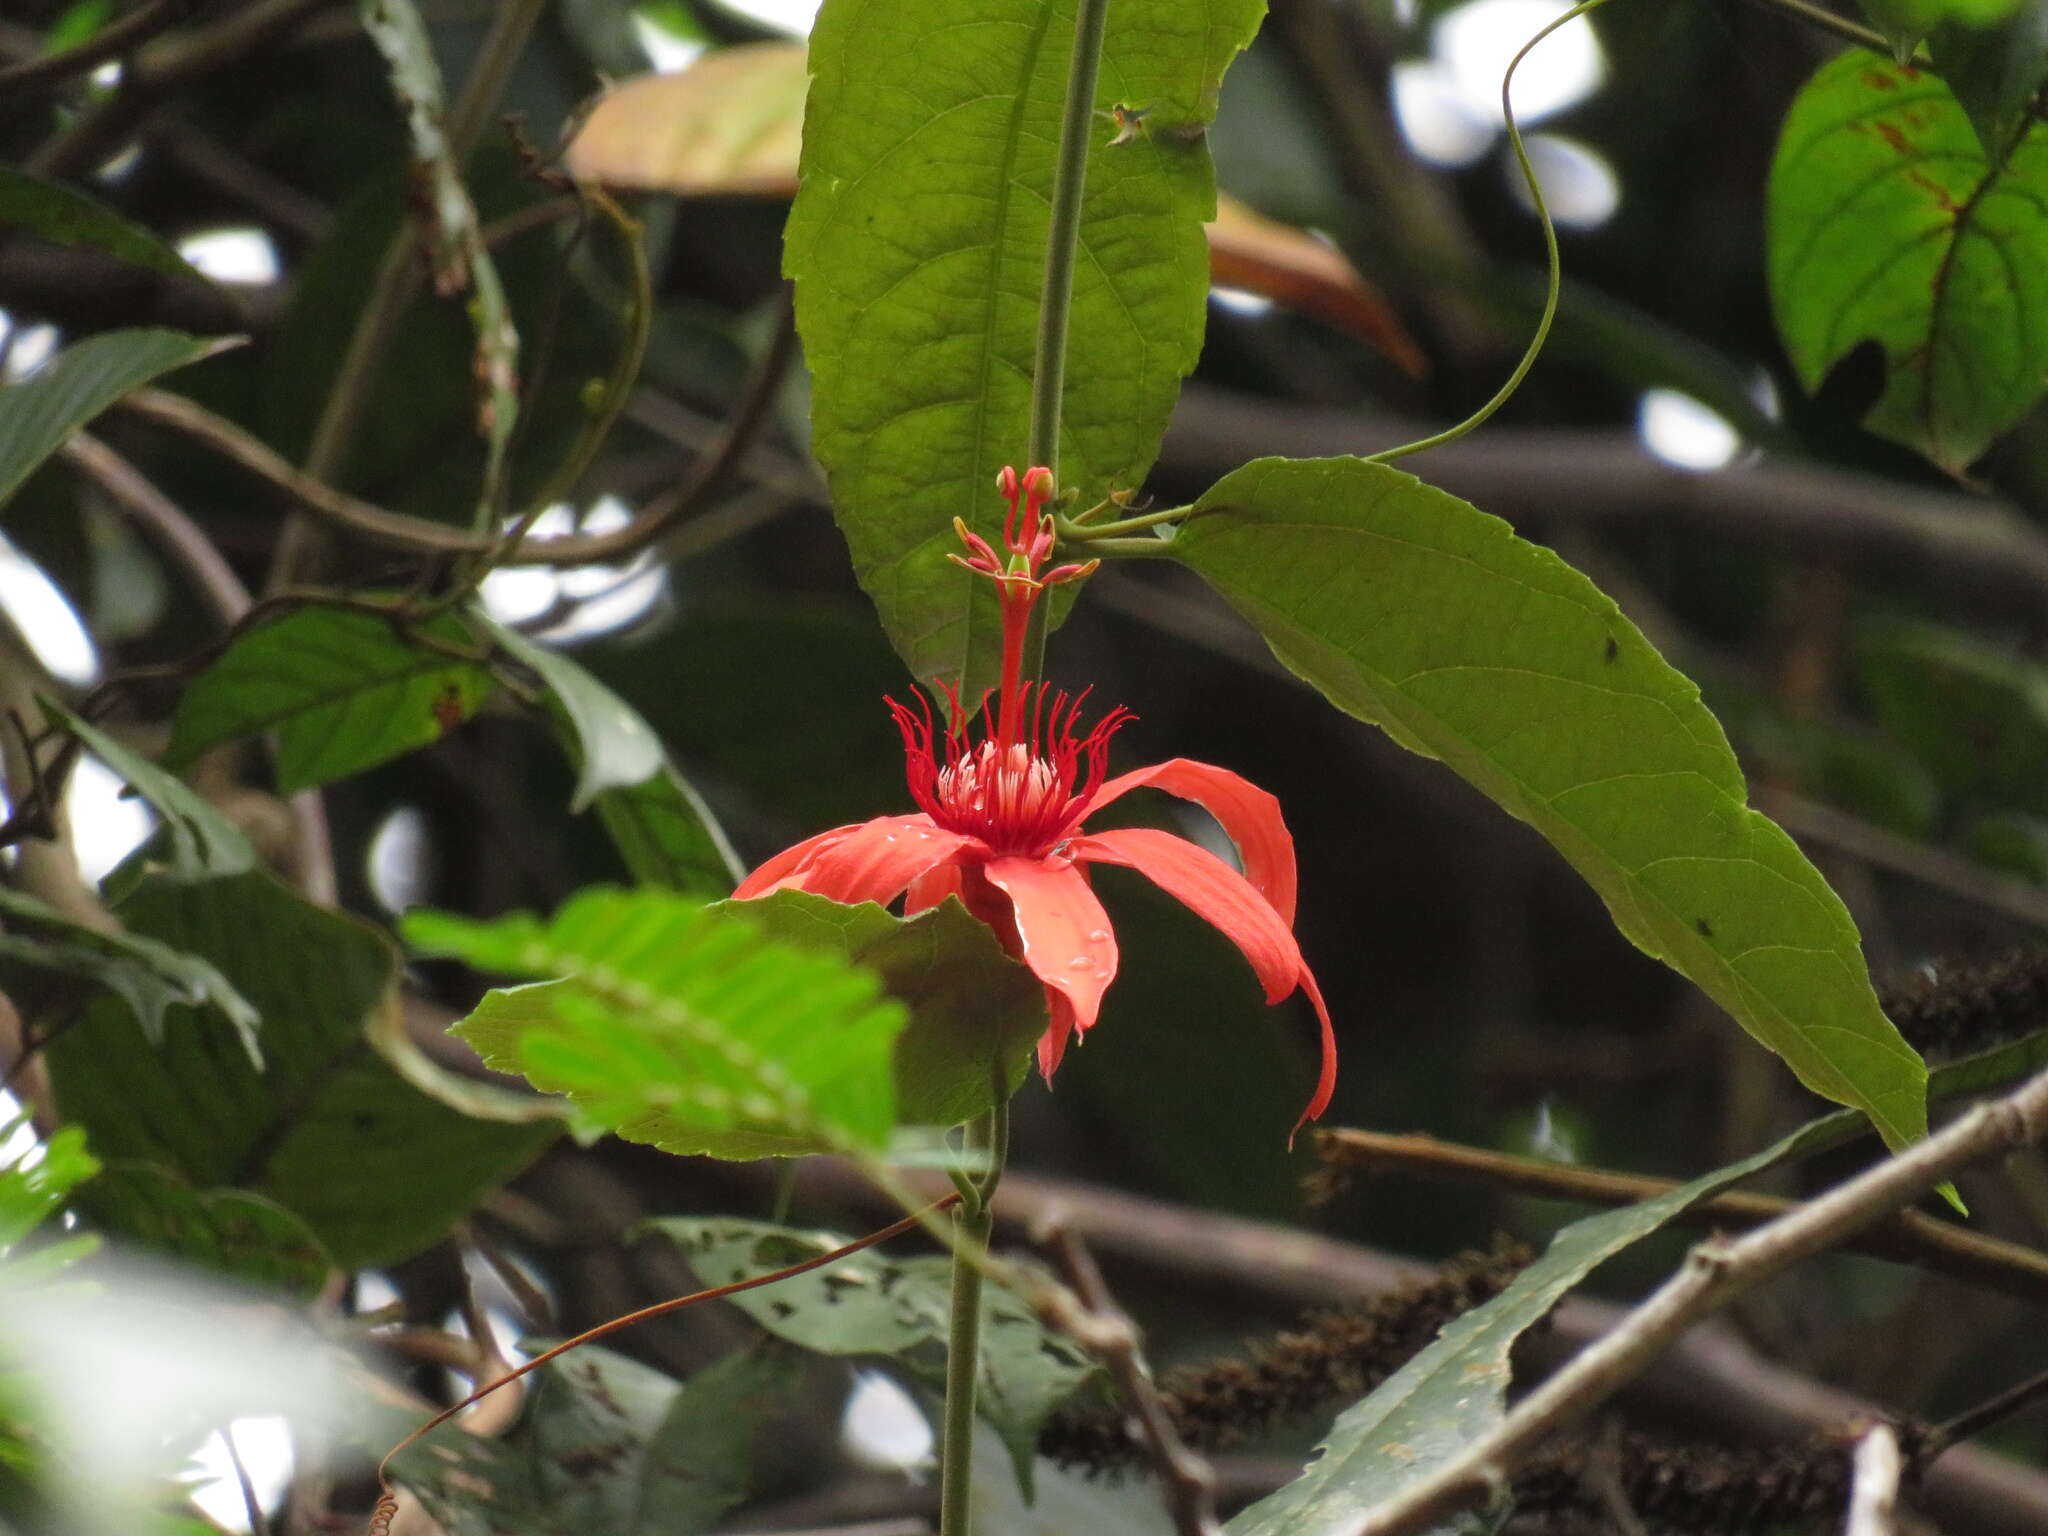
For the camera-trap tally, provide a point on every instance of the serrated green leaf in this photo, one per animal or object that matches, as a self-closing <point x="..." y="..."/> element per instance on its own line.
<point x="228" y="1231"/>
<point x="871" y="1304"/>
<point x="377" y="1169"/>
<point x="1411" y="609"/>
<point x="1455" y="1391"/>
<point x="198" y="842"/>
<point x="40" y="412"/>
<point x="1888" y="224"/>
<point x="609" y="1445"/>
<point x="917" y="243"/>
<point x="63" y="215"/>
<point x="149" y="977"/>
<point x="974" y="1012"/>
<point x="1994" y="71"/>
<point x="683" y="1027"/>
<point x="344" y="691"/>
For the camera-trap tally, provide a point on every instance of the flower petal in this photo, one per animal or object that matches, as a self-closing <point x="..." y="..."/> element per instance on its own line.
<point x="1062" y="930"/>
<point x="871" y="862"/>
<point x="774" y="870"/>
<point x="1248" y="815"/>
<point x="1052" y="1045"/>
<point x="1222" y="897"/>
<point x="931" y="888"/>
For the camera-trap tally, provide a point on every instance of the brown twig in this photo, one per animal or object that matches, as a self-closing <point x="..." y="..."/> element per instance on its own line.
<point x="175" y="534"/>
<point x="1972" y="1422"/>
<point x="1100" y="1326"/>
<point x="1907" y="1237"/>
<point x="1714" y="1274"/>
<point x="18" y="81"/>
<point x="161" y="68"/>
<point x="417" y="536"/>
<point x="259" y="1522"/>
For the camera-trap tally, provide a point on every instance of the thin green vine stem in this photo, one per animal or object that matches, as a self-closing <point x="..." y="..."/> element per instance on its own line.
<point x="1554" y="262"/>
<point x="1088" y="533"/>
<point x="972" y="1222"/>
<point x="1063" y="235"/>
<point x="1062" y="241"/>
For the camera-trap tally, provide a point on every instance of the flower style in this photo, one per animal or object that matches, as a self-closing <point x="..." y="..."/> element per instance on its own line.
<point x="999" y="822"/>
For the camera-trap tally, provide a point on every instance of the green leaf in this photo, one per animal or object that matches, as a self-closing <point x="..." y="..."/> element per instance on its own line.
<point x="228" y="1231"/>
<point x="1407" y="607"/>
<point x="917" y="243"/>
<point x="1906" y="22"/>
<point x="40" y="412"/>
<point x="975" y="1013"/>
<point x="1455" y="1391"/>
<point x="661" y="827"/>
<point x="64" y="215"/>
<point x="1974" y="713"/>
<point x="149" y="977"/>
<point x="325" y="1128"/>
<point x="198" y="842"/>
<point x="344" y="691"/>
<point x="666" y="835"/>
<point x="31" y="1195"/>
<point x="609" y="1445"/>
<point x="871" y="1304"/>
<point x="1994" y="72"/>
<point x="1888" y="224"/>
<point x="681" y="1026"/>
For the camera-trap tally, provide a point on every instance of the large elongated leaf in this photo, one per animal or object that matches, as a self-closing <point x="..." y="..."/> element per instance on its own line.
<point x="343" y="690"/>
<point x="1456" y="1390"/>
<point x="1889" y="224"/>
<point x="681" y="1026"/>
<point x="325" y="1128"/>
<point x="37" y="414"/>
<point x="918" y="244"/>
<point x="871" y="1304"/>
<point x="1409" y="608"/>
<point x="974" y="1012"/>
<point x="63" y="215"/>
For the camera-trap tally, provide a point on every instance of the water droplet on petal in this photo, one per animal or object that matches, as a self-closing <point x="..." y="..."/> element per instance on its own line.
<point x="1098" y="936"/>
<point x="1081" y="963"/>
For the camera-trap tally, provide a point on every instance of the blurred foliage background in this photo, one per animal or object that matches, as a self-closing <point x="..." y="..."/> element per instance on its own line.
<point x="1868" y="629"/>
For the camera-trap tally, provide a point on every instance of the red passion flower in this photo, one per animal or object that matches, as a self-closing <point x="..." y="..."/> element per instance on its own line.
<point x="999" y="822"/>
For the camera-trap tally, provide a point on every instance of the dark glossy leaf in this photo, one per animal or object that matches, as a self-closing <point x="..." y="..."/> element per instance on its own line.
<point x="917" y="243"/>
<point x="377" y="1169"/>
<point x="197" y="842"/>
<point x="63" y="215"/>
<point x="871" y="1304"/>
<point x="228" y="1231"/>
<point x="149" y="977"/>
<point x="1888" y="224"/>
<point x="37" y="414"/>
<point x="608" y="1445"/>
<point x="1455" y="1391"/>
<point x="1407" y="607"/>
<point x="343" y="690"/>
<point x="681" y="1026"/>
<point x="975" y="1013"/>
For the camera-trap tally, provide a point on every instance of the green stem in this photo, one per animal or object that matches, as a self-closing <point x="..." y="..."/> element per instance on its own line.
<point x="972" y="1222"/>
<point x="1062" y="239"/>
<point x="1071" y="532"/>
<point x="1554" y="263"/>
<point x="1063" y="235"/>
